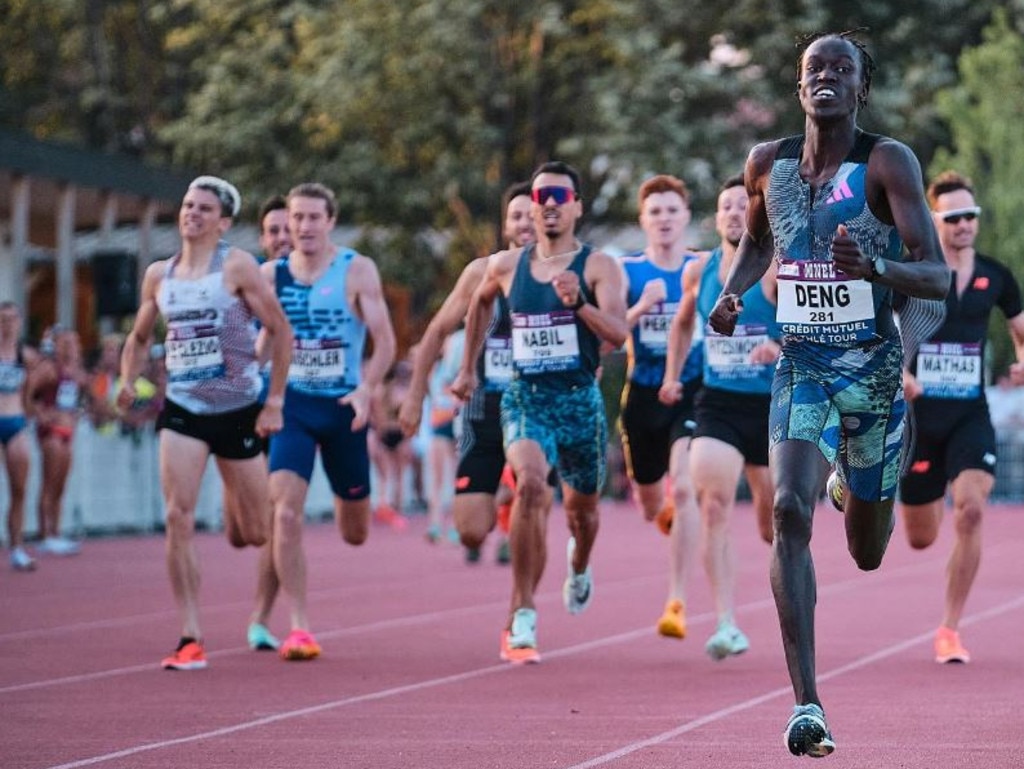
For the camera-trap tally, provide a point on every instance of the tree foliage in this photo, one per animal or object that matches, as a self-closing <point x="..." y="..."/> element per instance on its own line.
<point x="985" y="112"/>
<point x="419" y="113"/>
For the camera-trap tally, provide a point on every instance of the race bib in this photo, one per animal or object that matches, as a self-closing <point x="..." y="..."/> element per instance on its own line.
<point x="654" y="324"/>
<point x="497" y="362"/>
<point x="818" y="303"/>
<point x="728" y="357"/>
<point x="545" y="343"/>
<point x="193" y="353"/>
<point x="950" y="370"/>
<point x="67" y="395"/>
<point x="317" y="364"/>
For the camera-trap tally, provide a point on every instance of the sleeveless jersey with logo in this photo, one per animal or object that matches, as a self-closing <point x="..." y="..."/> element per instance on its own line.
<point x="329" y="337"/>
<point x="12" y="374"/>
<point x="727" y="363"/>
<point x="210" y="345"/>
<point x="650" y="334"/>
<point x="549" y="342"/>
<point x="494" y="364"/>
<point x="816" y="302"/>
<point x="63" y="394"/>
<point x="949" y="365"/>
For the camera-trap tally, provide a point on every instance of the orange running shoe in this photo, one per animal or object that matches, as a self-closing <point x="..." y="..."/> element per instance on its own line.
<point x="519" y="656"/>
<point x="300" y="645"/>
<point x="519" y="644"/>
<point x="665" y="517"/>
<point x="948" y="647"/>
<point x="189" y="656"/>
<point x="388" y="516"/>
<point x="673" y="622"/>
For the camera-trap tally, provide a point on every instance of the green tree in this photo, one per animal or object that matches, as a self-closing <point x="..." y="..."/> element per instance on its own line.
<point x="985" y="112"/>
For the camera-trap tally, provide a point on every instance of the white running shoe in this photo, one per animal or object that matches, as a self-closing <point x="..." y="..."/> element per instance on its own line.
<point x="727" y="641"/>
<point x="807" y="732"/>
<point x="21" y="560"/>
<point x="60" y="546"/>
<point x="578" y="589"/>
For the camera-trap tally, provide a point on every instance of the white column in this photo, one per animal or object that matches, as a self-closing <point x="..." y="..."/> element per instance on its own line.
<point x="108" y="221"/>
<point x="14" y="279"/>
<point x="66" y="255"/>
<point x="145" y="251"/>
<point x="108" y="216"/>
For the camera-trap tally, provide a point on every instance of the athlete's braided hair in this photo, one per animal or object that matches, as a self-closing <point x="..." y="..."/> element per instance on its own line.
<point x="867" y="63"/>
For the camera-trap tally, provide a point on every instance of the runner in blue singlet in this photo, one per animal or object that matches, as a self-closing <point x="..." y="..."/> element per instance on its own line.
<point x="731" y="408"/>
<point x="655" y="436"/>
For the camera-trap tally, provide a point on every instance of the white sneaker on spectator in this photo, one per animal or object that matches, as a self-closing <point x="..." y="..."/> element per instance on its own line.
<point x="21" y="560"/>
<point x="61" y="546"/>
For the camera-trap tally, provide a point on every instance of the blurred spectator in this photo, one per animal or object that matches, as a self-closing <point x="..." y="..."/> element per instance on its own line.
<point x="16" y="362"/>
<point x="103" y="384"/>
<point x="390" y="450"/>
<point x="1006" y="408"/>
<point x="149" y="394"/>
<point x="57" y="388"/>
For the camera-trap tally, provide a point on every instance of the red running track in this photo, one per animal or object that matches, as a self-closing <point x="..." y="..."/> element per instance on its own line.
<point x="410" y="675"/>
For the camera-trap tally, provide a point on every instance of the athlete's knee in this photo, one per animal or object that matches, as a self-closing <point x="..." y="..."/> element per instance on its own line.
<point x="253" y="530"/>
<point x="179" y="521"/>
<point x="288" y="521"/>
<point x="967" y="516"/>
<point x="868" y="544"/>
<point x="472" y="528"/>
<point x="714" y="509"/>
<point x="868" y="555"/>
<point x="921" y="540"/>
<point x="791" y="516"/>
<point x="354" y="536"/>
<point x="530" y="490"/>
<point x="921" y="530"/>
<point x="353" y="517"/>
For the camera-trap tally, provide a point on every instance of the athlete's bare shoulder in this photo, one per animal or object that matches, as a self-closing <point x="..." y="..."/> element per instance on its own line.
<point x="759" y="161"/>
<point x="504" y="262"/>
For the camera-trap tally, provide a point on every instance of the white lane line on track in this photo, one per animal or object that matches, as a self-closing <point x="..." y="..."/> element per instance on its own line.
<point x="448" y="614"/>
<point x="419" y="619"/>
<point x="753" y="702"/>
<point x="606" y="758"/>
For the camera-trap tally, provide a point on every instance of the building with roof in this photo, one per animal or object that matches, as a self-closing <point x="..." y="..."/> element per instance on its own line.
<point x="50" y="195"/>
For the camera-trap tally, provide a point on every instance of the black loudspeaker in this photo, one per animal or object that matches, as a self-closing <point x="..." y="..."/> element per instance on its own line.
<point x="115" y="282"/>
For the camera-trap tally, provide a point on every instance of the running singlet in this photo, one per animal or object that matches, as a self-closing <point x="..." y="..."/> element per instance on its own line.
<point x="210" y="346"/>
<point x="950" y="364"/>
<point x="493" y="365"/>
<point x="328" y="349"/>
<point x="817" y="302"/>
<point x="548" y="339"/>
<point x="12" y="375"/>
<point x="650" y="334"/>
<point x="727" y="363"/>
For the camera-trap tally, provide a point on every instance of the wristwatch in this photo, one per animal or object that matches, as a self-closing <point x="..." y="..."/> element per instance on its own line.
<point x="877" y="269"/>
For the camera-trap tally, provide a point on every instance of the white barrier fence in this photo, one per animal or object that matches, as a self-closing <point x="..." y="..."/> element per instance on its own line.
<point x="115" y="487"/>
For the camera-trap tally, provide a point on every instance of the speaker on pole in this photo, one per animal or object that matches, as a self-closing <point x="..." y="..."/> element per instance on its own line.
<point x="115" y="282"/>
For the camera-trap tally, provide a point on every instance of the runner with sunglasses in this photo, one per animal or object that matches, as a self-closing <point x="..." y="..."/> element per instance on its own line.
<point x="956" y="443"/>
<point x="481" y="454"/>
<point x="564" y="299"/>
